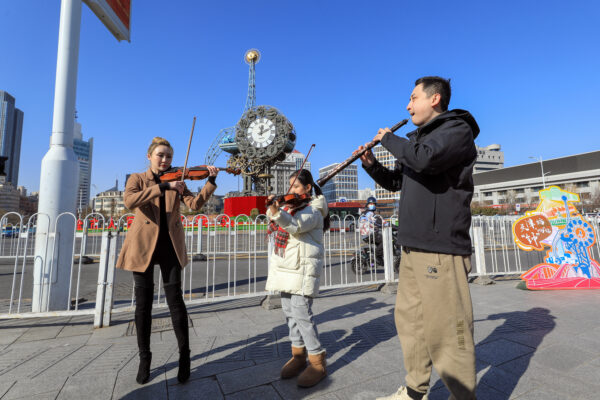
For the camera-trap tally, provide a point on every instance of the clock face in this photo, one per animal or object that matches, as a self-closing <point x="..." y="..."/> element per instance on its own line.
<point x="261" y="132"/>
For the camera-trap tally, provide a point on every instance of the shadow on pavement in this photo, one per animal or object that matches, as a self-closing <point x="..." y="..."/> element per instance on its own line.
<point x="506" y="352"/>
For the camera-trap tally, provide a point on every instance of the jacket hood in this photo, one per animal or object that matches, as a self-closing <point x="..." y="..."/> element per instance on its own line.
<point x="319" y="203"/>
<point x="448" y="115"/>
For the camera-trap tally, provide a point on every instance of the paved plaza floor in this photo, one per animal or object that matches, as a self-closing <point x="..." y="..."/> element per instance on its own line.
<point x="530" y="345"/>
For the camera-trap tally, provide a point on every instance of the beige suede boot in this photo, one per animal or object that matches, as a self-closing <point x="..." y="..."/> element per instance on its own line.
<point x="295" y="364"/>
<point x="315" y="372"/>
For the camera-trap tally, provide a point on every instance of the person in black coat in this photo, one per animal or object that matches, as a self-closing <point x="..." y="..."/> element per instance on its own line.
<point x="433" y="311"/>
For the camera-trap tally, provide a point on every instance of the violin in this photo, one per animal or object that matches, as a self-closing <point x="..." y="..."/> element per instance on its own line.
<point x="292" y="199"/>
<point x="193" y="173"/>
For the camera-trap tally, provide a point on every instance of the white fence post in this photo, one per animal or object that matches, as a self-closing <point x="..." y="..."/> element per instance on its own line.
<point x="479" y="250"/>
<point x="106" y="274"/>
<point x="388" y="253"/>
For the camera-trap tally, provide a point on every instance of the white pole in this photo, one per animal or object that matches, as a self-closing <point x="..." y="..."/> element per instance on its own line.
<point x="543" y="178"/>
<point x="59" y="172"/>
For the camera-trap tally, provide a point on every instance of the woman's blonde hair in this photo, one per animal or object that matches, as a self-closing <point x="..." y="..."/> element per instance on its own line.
<point x="158" y="141"/>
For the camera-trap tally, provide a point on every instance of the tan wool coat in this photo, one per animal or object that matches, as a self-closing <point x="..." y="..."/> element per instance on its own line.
<point x="142" y="196"/>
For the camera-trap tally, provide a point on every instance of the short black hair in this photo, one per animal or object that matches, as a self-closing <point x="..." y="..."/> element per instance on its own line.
<point x="436" y="84"/>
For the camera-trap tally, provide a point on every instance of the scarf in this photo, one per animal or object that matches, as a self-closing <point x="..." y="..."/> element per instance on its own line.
<point x="281" y="236"/>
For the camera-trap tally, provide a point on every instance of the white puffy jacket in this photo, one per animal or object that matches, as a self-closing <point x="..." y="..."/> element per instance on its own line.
<point x="299" y="270"/>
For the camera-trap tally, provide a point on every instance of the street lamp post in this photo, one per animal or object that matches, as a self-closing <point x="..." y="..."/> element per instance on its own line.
<point x="542" y="167"/>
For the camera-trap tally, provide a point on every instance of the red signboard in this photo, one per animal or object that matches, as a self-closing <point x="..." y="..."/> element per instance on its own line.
<point x="114" y="14"/>
<point x="122" y="8"/>
<point x="243" y="205"/>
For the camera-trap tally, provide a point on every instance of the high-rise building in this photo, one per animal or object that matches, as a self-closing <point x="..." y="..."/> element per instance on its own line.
<point x="343" y="186"/>
<point x="489" y="158"/>
<point x="84" y="151"/>
<point x="389" y="161"/>
<point x="9" y="196"/>
<point x="364" y="194"/>
<point x="11" y="130"/>
<point x="282" y="170"/>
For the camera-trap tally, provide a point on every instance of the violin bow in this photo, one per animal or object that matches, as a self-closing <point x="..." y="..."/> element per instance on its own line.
<point x="301" y="167"/>
<point x="188" y="149"/>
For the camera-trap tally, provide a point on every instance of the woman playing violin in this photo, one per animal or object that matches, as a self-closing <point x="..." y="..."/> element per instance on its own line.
<point x="156" y="237"/>
<point x="294" y="270"/>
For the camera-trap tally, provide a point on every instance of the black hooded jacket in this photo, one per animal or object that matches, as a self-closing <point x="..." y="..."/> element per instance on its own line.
<point x="435" y="173"/>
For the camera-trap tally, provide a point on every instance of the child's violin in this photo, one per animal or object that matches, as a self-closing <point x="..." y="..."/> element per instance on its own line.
<point x="193" y="173"/>
<point x="291" y="199"/>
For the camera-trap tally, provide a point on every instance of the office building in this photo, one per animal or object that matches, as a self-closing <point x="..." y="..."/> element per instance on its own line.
<point x="83" y="150"/>
<point x="520" y="184"/>
<point x="9" y="197"/>
<point x="110" y="202"/>
<point x="364" y="194"/>
<point x="11" y="130"/>
<point x="489" y="158"/>
<point x="389" y="161"/>
<point x="282" y="170"/>
<point x="343" y="186"/>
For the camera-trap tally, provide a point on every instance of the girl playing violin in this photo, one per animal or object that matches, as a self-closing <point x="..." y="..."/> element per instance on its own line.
<point x="294" y="271"/>
<point x="156" y="237"/>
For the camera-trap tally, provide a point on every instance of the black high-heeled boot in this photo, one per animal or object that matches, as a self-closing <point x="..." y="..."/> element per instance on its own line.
<point x="144" y="368"/>
<point x="179" y="317"/>
<point x="143" y="325"/>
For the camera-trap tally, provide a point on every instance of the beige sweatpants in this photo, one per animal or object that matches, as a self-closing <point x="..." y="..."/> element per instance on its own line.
<point x="434" y="320"/>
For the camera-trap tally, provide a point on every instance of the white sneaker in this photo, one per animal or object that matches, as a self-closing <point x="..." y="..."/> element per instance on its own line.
<point x="401" y="394"/>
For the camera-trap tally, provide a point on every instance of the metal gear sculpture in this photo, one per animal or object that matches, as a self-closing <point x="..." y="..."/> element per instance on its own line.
<point x="263" y="136"/>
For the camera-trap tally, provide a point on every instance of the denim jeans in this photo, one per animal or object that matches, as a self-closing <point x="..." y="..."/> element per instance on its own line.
<point x="303" y="331"/>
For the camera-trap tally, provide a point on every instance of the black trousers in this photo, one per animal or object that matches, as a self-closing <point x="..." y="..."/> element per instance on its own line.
<point x="170" y="269"/>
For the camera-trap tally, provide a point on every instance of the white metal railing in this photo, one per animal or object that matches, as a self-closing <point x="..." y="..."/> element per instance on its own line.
<point x="228" y="258"/>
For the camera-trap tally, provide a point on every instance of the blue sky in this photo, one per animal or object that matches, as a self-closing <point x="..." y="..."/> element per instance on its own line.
<point x="527" y="71"/>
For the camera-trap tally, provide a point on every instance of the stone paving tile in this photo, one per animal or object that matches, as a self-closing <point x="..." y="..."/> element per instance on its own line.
<point x="586" y="373"/>
<point x="541" y="394"/>
<point x="501" y="351"/>
<point x="562" y="357"/>
<point x="74" y="362"/>
<point x="5" y="386"/>
<point x="371" y="388"/>
<point x="205" y="388"/>
<point x="211" y="326"/>
<point x="8" y="336"/>
<point x="567" y="386"/>
<point x="504" y="382"/>
<point x="234" y="381"/>
<point x="265" y="392"/>
<point x="40" y="396"/>
<point x="109" y="362"/>
<point x="42" y="362"/>
<point x="47" y="332"/>
<point x="203" y="370"/>
<point x="14" y="357"/>
<point x="101" y="335"/>
<point x="80" y="387"/>
<point x="29" y="388"/>
<point x="228" y="348"/>
<point x="76" y="330"/>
